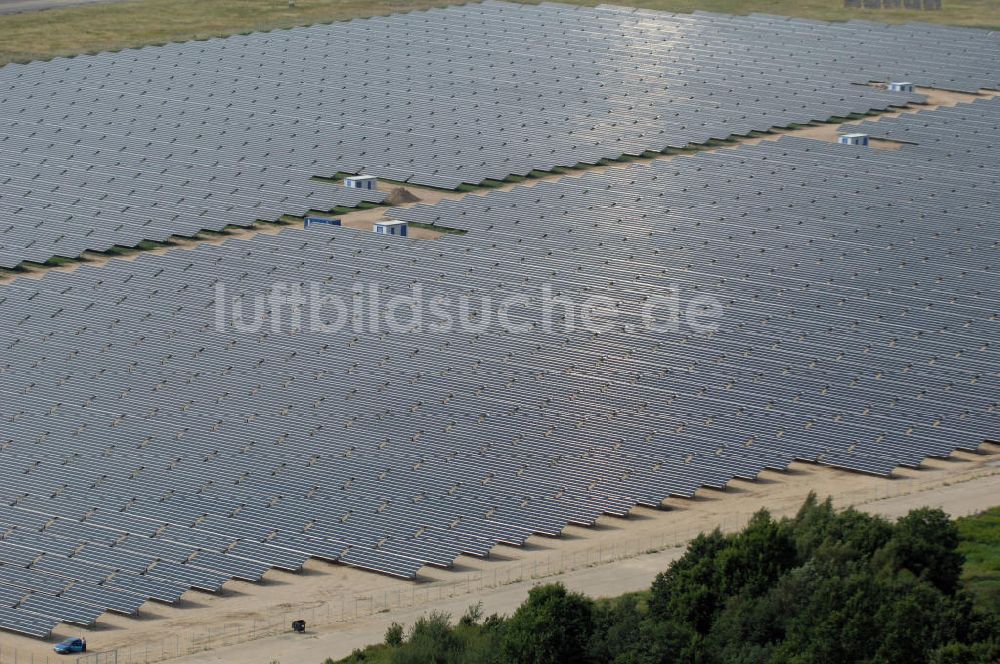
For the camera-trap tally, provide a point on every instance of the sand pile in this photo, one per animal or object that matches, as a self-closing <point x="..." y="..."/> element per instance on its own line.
<point x="401" y="196"/>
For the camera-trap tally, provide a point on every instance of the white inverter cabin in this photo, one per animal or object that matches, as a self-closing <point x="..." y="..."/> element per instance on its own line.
<point x="854" y="139"/>
<point x="390" y="227"/>
<point x="361" y="182"/>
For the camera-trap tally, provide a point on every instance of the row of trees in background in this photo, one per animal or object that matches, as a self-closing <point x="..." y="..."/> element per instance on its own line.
<point x="825" y="587"/>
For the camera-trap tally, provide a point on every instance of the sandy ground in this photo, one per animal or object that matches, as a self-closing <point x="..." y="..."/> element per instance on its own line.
<point x="347" y="608"/>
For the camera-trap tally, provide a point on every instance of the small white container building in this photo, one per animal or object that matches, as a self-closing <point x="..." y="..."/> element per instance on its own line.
<point x="323" y="221"/>
<point x="390" y="227"/>
<point x="854" y="139"/>
<point x="361" y="182"/>
<point x="901" y="86"/>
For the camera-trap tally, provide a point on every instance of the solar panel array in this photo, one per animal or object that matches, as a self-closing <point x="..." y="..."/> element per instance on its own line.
<point x="117" y="148"/>
<point x="148" y="448"/>
<point x="971" y="130"/>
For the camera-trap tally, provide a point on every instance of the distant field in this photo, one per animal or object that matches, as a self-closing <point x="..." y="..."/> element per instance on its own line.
<point x="981" y="548"/>
<point x="94" y="28"/>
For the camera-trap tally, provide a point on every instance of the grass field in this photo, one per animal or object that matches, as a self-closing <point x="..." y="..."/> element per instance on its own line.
<point x="981" y="547"/>
<point x="94" y="28"/>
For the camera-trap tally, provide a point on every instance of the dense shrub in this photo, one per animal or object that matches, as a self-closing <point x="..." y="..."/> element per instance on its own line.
<point x="394" y="635"/>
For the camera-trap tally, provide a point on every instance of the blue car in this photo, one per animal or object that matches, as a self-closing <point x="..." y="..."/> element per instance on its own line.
<point x="70" y="646"/>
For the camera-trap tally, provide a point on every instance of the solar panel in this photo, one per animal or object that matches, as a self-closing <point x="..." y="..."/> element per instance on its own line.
<point x="105" y="598"/>
<point x="11" y="596"/>
<point x="61" y="609"/>
<point x="163" y="590"/>
<point x="23" y="622"/>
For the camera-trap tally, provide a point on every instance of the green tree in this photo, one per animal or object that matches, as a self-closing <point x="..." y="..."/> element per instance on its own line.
<point x="925" y="542"/>
<point x="821" y="531"/>
<point x="756" y="557"/>
<point x="553" y="626"/>
<point x="689" y="590"/>
<point x="695" y="588"/>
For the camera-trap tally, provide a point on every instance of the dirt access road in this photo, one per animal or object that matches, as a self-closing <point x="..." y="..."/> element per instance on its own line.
<point x="626" y="575"/>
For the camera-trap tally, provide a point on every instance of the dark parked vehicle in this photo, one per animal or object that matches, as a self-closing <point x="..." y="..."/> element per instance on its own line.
<point x="71" y="646"/>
